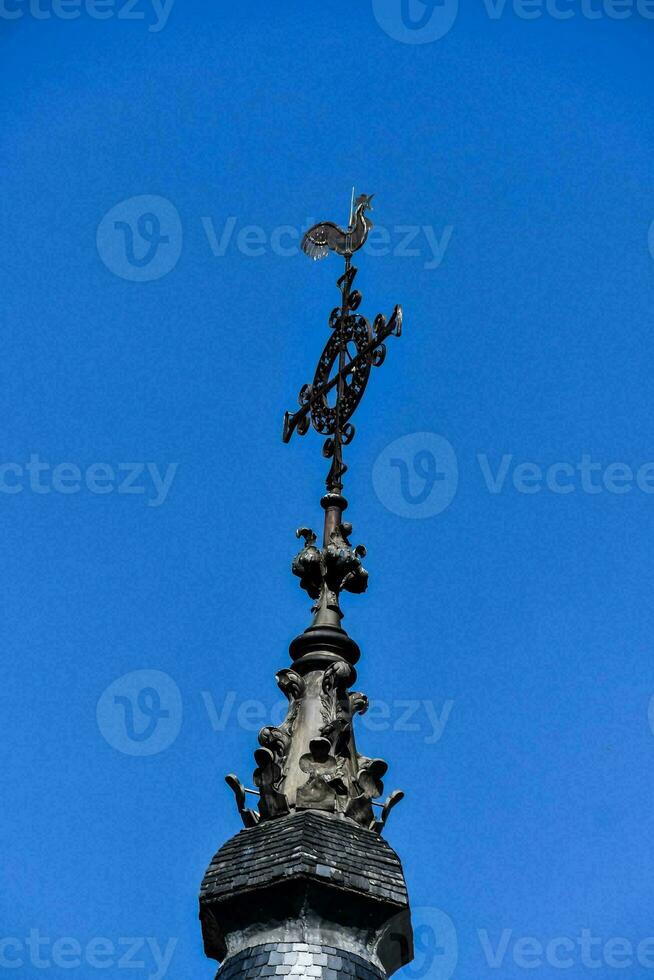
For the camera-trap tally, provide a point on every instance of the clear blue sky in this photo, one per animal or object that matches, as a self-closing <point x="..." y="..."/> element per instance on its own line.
<point x="165" y="334"/>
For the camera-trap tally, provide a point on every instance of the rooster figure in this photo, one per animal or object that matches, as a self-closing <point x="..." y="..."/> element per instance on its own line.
<point x="327" y="236"/>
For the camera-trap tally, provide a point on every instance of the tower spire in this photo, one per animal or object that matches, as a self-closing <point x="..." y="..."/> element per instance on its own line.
<point x="313" y="786"/>
<point x="345" y="365"/>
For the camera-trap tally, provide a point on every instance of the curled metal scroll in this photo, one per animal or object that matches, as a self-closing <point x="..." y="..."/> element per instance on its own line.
<point x="352" y="350"/>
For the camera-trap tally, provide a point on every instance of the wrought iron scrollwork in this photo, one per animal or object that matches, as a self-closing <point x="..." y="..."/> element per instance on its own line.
<point x="352" y="350"/>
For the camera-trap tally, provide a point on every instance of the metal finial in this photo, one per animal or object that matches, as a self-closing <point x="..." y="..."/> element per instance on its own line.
<point x="353" y="348"/>
<point x="310" y="761"/>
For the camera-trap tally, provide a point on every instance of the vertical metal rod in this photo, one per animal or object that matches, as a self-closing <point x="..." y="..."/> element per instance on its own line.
<point x="333" y="514"/>
<point x="345" y="304"/>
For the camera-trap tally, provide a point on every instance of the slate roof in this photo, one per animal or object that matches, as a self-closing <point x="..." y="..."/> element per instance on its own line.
<point x="309" y="845"/>
<point x="297" y="960"/>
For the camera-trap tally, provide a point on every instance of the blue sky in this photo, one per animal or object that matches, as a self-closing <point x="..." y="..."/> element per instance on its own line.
<point x="158" y="320"/>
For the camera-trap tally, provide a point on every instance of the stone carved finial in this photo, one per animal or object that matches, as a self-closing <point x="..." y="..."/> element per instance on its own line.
<point x="326" y="572"/>
<point x="310" y="761"/>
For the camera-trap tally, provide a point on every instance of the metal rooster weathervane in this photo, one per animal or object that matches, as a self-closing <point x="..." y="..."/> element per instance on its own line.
<point x="353" y="348"/>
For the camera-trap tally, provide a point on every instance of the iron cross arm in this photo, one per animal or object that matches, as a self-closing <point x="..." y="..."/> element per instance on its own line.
<point x="370" y="352"/>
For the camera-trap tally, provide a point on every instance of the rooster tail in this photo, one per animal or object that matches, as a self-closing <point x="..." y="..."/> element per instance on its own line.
<point x="313" y="250"/>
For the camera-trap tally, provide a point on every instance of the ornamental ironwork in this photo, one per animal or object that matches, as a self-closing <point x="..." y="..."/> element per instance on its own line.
<point x="352" y="350"/>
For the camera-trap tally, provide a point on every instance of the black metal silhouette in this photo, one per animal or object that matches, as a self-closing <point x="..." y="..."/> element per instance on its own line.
<point x="327" y="236"/>
<point x="353" y="348"/>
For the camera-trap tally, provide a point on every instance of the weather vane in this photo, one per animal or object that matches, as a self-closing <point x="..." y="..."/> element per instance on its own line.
<point x="353" y="348"/>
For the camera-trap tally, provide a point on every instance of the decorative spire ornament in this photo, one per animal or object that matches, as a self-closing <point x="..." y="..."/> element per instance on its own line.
<point x="326" y="236"/>
<point x="311" y="864"/>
